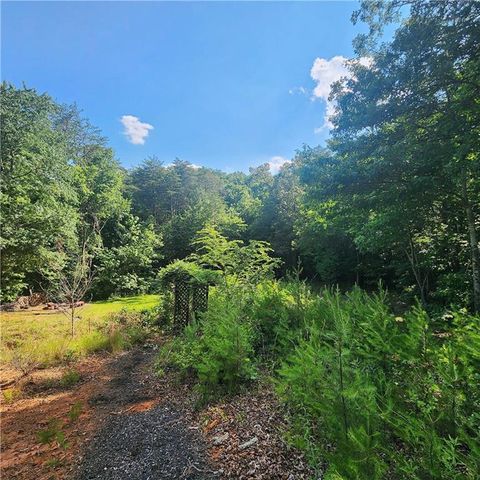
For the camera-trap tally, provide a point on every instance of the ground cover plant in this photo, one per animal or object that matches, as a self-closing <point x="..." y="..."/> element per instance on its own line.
<point x="372" y="393"/>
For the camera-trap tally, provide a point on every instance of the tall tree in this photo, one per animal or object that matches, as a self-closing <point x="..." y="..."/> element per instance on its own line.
<point x="38" y="201"/>
<point x="408" y="131"/>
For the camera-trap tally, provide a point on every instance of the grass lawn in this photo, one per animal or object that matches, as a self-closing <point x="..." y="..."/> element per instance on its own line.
<point x="44" y="336"/>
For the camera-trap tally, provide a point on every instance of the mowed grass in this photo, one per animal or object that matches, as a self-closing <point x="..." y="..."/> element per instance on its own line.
<point x="44" y="336"/>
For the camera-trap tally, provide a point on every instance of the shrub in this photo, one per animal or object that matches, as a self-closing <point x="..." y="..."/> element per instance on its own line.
<point x="279" y="312"/>
<point x="126" y="328"/>
<point x="227" y="348"/>
<point x="333" y="401"/>
<point x="217" y="349"/>
<point x="378" y="395"/>
<point x="182" y="353"/>
<point x="271" y="308"/>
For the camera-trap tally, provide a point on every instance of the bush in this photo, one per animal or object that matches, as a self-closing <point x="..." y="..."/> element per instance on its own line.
<point x="373" y="394"/>
<point x="279" y="312"/>
<point x="227" y="345"/>
<point x="217" y="349"/>
<point x="378" y="395"/>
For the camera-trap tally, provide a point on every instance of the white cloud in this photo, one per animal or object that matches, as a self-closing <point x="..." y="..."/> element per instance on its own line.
<point x="190" y="165"/>
<point x="325" y="73"/>
<point x="298" y="90"/>
<point x="276" y="163"/>
<point x="135" y="130"/>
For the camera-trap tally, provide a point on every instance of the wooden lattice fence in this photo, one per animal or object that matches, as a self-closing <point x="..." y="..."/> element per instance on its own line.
<point x="189" y="300"/>
<point x="190" y="283"/>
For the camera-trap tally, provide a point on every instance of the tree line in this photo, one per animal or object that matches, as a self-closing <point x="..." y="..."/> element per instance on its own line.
<point x="394" y="196"/>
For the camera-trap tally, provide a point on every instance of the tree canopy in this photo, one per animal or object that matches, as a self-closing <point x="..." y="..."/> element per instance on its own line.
<point x="393" y="196"/>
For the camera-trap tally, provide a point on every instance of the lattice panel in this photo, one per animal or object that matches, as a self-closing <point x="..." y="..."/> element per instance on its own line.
<point x="188" y="299"/>
<point x="182" y="303"/>
<point x="200" y="298"/>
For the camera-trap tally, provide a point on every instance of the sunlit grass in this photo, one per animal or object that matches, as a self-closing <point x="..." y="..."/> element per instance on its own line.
<point x="44" y="336"/>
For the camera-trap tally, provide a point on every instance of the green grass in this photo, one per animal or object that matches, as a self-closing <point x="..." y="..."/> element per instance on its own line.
<point x="44" y="336"/>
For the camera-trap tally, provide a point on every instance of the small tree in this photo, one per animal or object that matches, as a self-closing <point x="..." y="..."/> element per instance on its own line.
<point x="73" y="284"/>
<point x="249" y="263"/>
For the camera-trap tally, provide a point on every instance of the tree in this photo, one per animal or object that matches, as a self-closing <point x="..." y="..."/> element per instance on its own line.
<point x="37" y="198"/>
<point x="73" y="284"/>
<point x="248" y="264"/>
<point x="407" y="135"/>
<point x="128" y="266"/>
<point x="280" y="213"/>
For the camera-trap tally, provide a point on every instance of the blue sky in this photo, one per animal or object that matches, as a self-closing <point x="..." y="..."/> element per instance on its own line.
<point x="226" y="85"/>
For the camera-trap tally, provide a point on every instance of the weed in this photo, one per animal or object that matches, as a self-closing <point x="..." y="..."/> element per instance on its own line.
<point x="52" y="433"/>
<point x="70" y="378"/>
<point x="11" y="394"/>
<point x="54" y="463"/>
<point x="75" y="411"/>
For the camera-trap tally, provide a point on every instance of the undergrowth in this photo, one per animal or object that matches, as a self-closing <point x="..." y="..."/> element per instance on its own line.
<point x="373" y="394"/>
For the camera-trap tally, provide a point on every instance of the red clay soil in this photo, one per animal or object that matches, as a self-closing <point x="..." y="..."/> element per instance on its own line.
<point x="242" y="436"/>
<point x="43" y="399"/>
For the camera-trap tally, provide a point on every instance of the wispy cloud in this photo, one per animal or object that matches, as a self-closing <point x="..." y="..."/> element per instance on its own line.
<point x="276" y="163"/>
<point x="135" y="130"/>
<point x="325" y="73"/>
<point x="298" y="91"/>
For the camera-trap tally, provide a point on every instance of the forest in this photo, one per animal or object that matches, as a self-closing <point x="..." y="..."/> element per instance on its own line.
<point x="350" y="279"/>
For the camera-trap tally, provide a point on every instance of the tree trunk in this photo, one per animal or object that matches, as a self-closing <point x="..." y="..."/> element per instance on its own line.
<point x="474" y="252"/>
<point x="412" y="258"/>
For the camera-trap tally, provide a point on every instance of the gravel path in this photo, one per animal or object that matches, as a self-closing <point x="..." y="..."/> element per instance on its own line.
<point x="143" y="436"/>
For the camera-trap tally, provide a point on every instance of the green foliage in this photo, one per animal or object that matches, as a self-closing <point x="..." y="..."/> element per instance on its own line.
<point x="187" y="271"/>
<point x="75" y="411"/>
<point x="278" y="311"/>
<point x="394" y="197"/>
<point x="227" y="345"/>
<point x="62" y="190"/>
<point x="30" y="340"/>
<point x="53" y="433"/>
<point x="54" y="463"/>
<point x="374" y="394"/>
<point x="407" y="165"/>
<point x="37" y="200"/>
<point x="69" y="378"/>
<point x="217" y="349"/>
<point x="379" y="395"/>
<point x="9" y="395"/>
<point x="247" y="264"/>
<point x="126" y="268"/>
